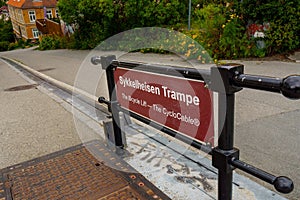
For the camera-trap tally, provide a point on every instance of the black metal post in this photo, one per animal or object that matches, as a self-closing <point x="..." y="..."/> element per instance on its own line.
<point x="106" y="62"/>
<point x="225" y="141"/>
<point x="221" y="82"/>
<point x="225" y="145"/>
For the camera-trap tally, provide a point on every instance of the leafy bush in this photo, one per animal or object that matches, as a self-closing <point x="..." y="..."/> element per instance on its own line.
<point x="4" y="45"/>
<point x="222" y="32"/>
<point x="97" y="20"/>
<point x="12" y="46"/>
<point x="53" y="42"/>
<point x="156" y="40"/>
<point x="209" y="20"/>
<point x="222" y="27"/>
<point x="283" y="16"/>
<point x="6" y="31"/>
<point x="21" y="43"/>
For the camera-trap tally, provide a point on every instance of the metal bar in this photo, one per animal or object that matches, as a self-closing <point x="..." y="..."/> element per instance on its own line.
<point x="258" y="82"/>
<point x="187" y="140"/>
<point x="288" y="86"/>
<point x="117" y="125"/>
<point x="114" y="108"/>
<point x="282" y="184"/>
<point x="265" y="176"/>
<point x="183" y="72"/>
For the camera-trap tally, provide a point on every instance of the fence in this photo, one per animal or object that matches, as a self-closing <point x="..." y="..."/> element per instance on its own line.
<point x="139" y="96"/>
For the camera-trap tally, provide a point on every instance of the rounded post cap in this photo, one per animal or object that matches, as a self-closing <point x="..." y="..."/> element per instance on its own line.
<point x="290" y="87"/>
<point x="283" y="184"/>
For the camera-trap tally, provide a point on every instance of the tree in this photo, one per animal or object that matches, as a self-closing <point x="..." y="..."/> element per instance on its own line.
<point x="2" y="3"/>
<point x="6" y="31"/>
<point x="99" y="19"/>
<point x="6" y="34"/>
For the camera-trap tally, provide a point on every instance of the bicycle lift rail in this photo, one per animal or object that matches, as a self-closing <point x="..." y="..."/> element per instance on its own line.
<point x="226" y="80"/>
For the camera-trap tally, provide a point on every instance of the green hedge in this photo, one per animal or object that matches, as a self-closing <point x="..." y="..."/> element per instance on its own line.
<point x="283" y="16"/>
<point x="224" y="28"/>
<point x="4" y="46"/>
<point x="53" y="42"/>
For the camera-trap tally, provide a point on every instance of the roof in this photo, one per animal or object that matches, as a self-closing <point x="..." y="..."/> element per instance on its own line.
<point x="32" y="3"/>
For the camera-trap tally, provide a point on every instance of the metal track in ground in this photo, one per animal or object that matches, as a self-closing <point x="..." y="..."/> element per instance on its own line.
<point x="86" y="105"/>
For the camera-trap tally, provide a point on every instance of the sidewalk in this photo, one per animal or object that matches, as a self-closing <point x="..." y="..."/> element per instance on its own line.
<point x="244" y="119"/>
<point x="45" y="155"/>
<point x="31" y="124"/>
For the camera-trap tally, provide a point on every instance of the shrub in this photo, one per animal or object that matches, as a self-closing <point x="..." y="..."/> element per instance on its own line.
<point x="156" y="40"/>
<point x="99" y="20"/>
<point x="283" y="16"/>
<point x="13" y="46"/>
<point x="222" y="32"/>
<point x="21" y="43"/>
<point x="6" y="31"/>
<point x="53" y="42"/>
<point x="222" y="27"/>
<point x="225" y="28"/>
<point x="4" y="46"/>
<point x="209" y="20"/>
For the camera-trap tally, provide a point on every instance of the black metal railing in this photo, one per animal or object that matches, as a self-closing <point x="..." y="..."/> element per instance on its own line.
<point x="226" y="80"/>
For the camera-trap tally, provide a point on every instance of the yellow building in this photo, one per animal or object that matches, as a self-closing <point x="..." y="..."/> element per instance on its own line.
<point x="24" y="13"/>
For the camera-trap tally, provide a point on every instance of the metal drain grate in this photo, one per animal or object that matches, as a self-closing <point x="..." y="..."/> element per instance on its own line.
<point x="75" y="173"/>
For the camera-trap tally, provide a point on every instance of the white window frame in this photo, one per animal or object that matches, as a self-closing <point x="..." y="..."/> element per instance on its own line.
<point x="35" y="33"/>
<point x="32" y="16"/>
<point x="49" y="13"/>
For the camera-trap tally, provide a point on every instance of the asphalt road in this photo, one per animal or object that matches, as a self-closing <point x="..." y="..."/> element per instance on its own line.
<point x="267" y="130"/>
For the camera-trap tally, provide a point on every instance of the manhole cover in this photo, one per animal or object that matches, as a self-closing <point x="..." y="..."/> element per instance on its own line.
<point x="75" y="173"/>
<point x="21" y="87"/>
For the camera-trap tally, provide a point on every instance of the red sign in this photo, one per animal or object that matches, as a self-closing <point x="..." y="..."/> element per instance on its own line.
<point x="181" y="104"/>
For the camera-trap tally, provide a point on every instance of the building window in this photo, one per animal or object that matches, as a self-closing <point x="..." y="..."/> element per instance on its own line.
<point x="11" y="12"/>
<point x="31" y="16"/>
<point x="23" y="31"/>
<point x="35" y="33"/>
<point x="15" y="27"/>
<point x="56" y="12"/>
<point x="49" y="14"/>
<point x="19" y="15"/>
